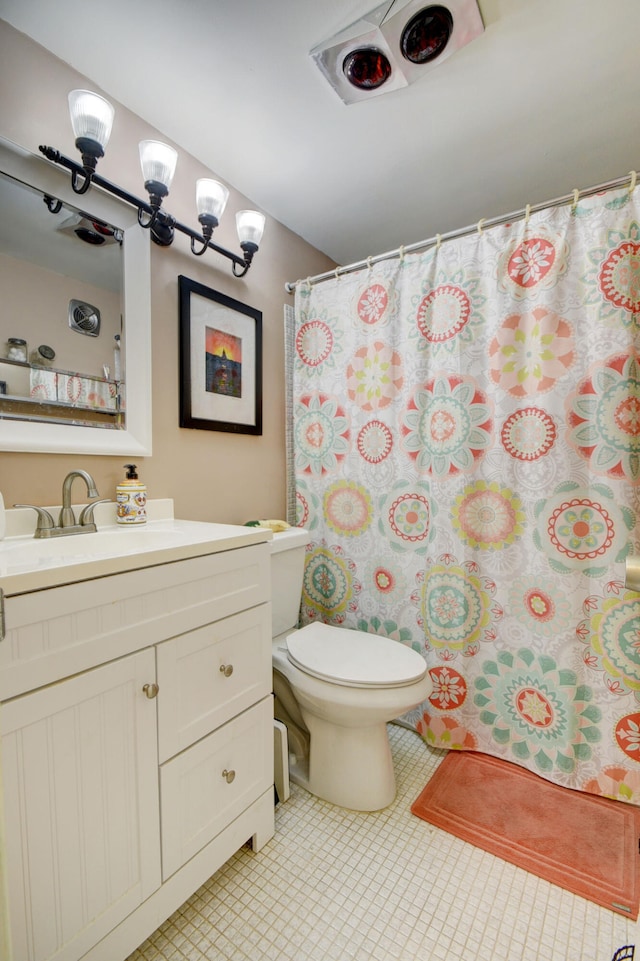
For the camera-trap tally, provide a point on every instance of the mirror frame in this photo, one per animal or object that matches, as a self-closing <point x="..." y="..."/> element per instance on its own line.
<point x="135" y="440"/>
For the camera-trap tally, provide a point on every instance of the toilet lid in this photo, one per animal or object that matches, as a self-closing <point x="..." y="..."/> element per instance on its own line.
<point x="354" y="658"/>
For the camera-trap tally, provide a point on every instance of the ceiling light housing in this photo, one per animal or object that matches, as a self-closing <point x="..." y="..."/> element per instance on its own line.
<point x="415" y="36"/>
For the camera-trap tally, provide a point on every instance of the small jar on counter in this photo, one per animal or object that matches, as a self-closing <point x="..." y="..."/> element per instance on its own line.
<point x="17" y="349"/>
<point x="42" y="356"/>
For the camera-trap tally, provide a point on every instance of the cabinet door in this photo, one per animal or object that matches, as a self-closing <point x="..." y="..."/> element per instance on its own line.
<point x="79" y="766"/>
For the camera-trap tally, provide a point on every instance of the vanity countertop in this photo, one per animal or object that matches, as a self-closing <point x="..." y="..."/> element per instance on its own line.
<point x="29" y="564"/>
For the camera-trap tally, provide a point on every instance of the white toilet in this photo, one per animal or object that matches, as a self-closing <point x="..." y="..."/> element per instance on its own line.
<point x="335" y="690"/>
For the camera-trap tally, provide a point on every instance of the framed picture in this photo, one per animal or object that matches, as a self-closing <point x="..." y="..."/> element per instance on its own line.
<point x="220" y="361"/>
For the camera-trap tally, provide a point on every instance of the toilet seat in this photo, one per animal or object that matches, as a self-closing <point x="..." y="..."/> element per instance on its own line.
<point x="354" y="658"/>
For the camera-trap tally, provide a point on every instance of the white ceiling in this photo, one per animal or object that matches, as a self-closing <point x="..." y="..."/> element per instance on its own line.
<point x="545" y="100"/>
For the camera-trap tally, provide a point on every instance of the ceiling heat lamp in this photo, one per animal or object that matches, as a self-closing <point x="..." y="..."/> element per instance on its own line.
<point x="92" y="119"/>
<point x="390" y="48"/>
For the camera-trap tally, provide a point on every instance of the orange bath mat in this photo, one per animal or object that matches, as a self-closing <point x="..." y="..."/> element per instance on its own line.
<point x="586" y="844"/>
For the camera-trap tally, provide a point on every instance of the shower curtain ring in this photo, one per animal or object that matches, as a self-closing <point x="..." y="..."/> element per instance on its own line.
<point x="401" y="253"/>
<point x="438" y="241"/>
<point x="480" y="223"/>
<point x="634" y="176"/>
<point x="527" y="214"/>
<point x="576" y="197"/>
<point x="368" y="263"/>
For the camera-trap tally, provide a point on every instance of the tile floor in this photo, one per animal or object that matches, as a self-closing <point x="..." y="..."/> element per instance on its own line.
<point x="336" y="885"/>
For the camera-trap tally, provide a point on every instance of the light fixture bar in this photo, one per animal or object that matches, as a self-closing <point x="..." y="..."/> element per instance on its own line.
<point x="164" y="221"/>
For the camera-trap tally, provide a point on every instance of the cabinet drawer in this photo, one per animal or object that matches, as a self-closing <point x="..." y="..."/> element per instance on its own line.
<point x="61" y="631"/>
<point x="198" y="800"/>
<point x="209" y="675"/>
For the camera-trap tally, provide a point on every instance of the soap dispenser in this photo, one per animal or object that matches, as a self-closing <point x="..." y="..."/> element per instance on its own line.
<point x="131" y="498"/>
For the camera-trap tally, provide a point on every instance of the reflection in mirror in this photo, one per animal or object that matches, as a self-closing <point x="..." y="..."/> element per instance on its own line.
<point x="61" y="277"/>
<point x="76" y="306"/>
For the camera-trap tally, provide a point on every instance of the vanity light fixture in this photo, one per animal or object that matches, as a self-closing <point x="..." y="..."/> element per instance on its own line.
<point x="92" y="119"/>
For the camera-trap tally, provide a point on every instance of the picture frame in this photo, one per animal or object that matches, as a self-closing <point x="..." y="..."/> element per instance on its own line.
<point x="220" y="361"/>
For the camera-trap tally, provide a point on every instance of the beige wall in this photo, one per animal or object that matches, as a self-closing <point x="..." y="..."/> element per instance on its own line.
<point x="211" y="475"/>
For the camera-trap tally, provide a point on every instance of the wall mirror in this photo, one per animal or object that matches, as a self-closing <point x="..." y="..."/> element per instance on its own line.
<point x="75" y="328"/>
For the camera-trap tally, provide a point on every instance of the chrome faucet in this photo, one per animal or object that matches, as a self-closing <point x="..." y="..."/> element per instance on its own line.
<point x="67" y="523"/>
<point x="67" y="517"/>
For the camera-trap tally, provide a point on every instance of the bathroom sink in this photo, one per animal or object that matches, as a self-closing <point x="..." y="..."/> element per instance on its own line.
<point x="41" y="552"/>
<point x="29" y="563"/>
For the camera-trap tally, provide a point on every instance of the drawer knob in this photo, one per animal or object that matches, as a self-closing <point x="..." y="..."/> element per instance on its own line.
<point x="226" y="669"/>
<point x="151" y="690"/>
<point x="228" y="775"/>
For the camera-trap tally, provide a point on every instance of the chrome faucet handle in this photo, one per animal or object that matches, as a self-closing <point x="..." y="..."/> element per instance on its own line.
<point x="45" y="520"/>
<point x="86" y="514"/>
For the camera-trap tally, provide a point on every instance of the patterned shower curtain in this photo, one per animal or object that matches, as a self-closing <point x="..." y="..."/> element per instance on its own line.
<point x="466" y="425"/>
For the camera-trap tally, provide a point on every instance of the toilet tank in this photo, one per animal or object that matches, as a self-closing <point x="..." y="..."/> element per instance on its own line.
<point x="287" y="569"/>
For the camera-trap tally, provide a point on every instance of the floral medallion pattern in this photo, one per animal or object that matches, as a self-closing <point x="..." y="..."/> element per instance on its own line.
<point x="539" y="710"/>
<point x="449" y="688"/>
<point x="488" y="516"/>
<point x="535" y="262"/>
<point x="314" y="342"/>
<point x="330" y="588"/>
<point x="374" y="376"/>
<point x="611" y="633"/>
<point x="386" y="581"/>
<point x="406" y="517"/>
<point x="582" y="529"/>
<point x="457" y="607"/>
<point x="449" y="311"/>
<point x="372" y="304"/>
<point x="613" y="281"/>
<point x="628" y="735"/>
<point x="374" y="442"/>
<point x="540" y="604"/>
<point x="466" y="450"/>
<point x="528" y="433"/>
<point x="347" y="507"/>
<point x="308" y="506"/>
<point x="603" y="414"/>
<point x="322" y="436"/>
<point x="531" y="351"/>
<point x="448" y="426"/>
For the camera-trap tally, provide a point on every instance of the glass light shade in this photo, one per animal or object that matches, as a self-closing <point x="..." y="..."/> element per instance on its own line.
<point x="211" y="198"/>
<point x="91" y="116"/>
<point x="158" y="162"/>
<point x="250" y="226"/>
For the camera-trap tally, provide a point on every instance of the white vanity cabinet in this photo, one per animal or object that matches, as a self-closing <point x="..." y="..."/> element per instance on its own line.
<point x="136" y="719"/>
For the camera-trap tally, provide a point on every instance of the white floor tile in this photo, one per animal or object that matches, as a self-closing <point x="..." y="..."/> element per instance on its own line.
<point x="336" y="885"/>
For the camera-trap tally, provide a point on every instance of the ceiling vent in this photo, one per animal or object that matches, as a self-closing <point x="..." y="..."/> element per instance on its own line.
<point x="84" y="318"/>
<point x="390" y="48"/>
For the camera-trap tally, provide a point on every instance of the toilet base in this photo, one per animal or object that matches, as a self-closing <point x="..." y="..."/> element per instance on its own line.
<point x="348" y="766"/>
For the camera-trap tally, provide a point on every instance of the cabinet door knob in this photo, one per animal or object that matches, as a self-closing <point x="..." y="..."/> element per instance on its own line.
<point x="226" y="669"/>
<point x="228" y="775"/>
<point x="151" y="690"/>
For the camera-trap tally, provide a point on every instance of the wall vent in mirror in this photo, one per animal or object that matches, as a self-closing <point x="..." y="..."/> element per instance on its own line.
<point x="84" y="318"/>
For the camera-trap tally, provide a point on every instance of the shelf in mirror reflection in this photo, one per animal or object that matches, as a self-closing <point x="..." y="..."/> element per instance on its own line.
<point x="57" y="393"/>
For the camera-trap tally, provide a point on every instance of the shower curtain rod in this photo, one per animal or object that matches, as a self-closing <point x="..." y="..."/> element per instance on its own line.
<point x="482" y="224"/>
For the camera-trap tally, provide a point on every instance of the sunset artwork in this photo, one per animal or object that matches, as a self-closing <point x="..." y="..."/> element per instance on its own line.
<point x="223" y="358"/>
